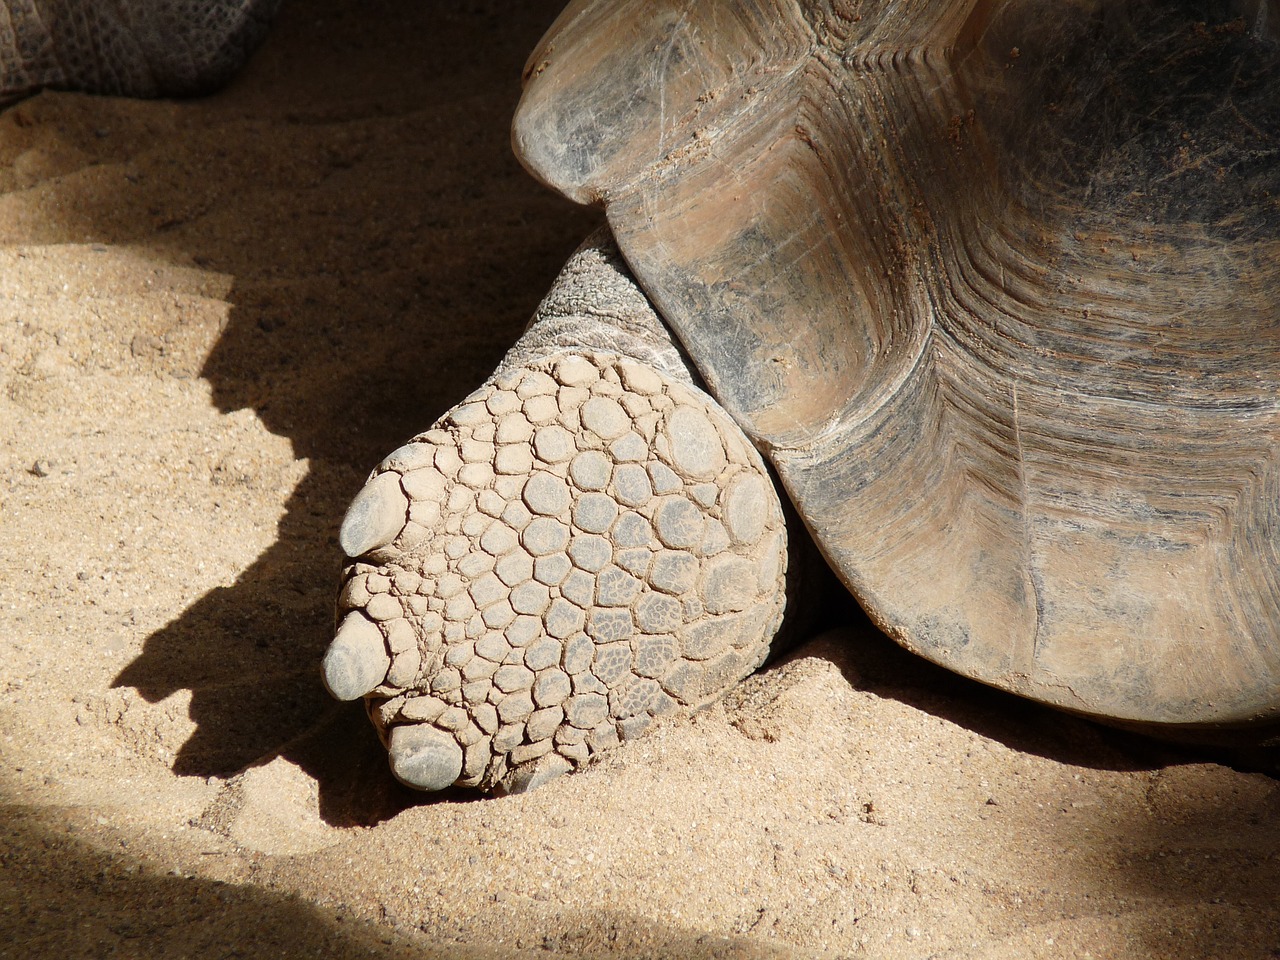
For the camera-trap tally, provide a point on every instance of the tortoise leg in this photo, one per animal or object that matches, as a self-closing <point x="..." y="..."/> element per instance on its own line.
<point x="583" y="545"/>
<point x="136" y="48"/>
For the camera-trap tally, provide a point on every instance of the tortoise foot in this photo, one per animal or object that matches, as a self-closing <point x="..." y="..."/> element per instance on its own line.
<point x="577" y="549"/>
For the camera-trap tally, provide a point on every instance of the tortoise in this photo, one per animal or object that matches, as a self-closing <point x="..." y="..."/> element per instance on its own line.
<point x="992" y="286"/>
<point x="984" y="288"/>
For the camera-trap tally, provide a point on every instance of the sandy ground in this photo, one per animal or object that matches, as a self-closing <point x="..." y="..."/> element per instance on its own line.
<point x="214" y="318"/>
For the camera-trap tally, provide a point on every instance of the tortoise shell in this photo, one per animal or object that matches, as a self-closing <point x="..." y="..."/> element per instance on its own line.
<point x="994" y="285"/>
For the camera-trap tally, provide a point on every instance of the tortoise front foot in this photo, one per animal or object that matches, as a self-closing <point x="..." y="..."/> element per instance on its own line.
<point x="577" y="549"/>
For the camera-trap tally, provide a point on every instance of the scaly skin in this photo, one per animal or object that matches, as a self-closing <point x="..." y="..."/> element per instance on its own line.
<point x="584" y="544"/>
<point x="138" y="48"/>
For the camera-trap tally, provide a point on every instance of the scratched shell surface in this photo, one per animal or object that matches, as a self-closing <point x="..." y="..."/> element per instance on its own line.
<point x="994" y="285"/>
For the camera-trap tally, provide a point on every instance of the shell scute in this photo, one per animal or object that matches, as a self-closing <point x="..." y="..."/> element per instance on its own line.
<point x="996" y="287"/>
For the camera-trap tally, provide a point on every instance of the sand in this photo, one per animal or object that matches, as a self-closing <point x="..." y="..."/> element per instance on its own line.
<point x="215" y="317"/>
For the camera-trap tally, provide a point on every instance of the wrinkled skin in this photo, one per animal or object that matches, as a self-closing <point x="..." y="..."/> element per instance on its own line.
<point x="135" y="48"/>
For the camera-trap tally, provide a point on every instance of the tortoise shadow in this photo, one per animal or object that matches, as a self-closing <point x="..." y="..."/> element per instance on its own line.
<point x="373" y="295"/>
<point x="871" y="661"/>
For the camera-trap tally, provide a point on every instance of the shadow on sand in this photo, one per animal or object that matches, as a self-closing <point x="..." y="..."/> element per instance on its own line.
<point x="385" y="248"/>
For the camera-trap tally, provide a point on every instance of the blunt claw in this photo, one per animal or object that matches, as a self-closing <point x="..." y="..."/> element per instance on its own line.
<point x="376" y="516"/>
<point x="356" y="662"/>
<point x="424" y="758"/>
